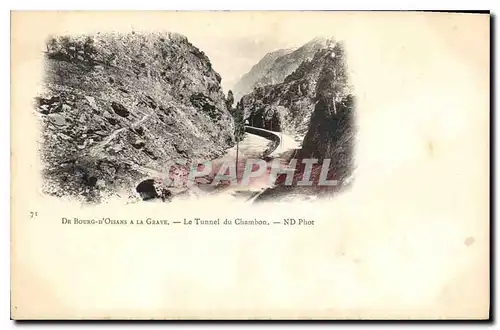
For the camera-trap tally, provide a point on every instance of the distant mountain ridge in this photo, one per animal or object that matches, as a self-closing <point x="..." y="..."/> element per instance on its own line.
<point x="250" y="79"/>
<point x="275" y="66"/>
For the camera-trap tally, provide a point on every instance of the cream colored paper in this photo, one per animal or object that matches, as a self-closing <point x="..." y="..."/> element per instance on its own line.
<point x="409" y="240"/>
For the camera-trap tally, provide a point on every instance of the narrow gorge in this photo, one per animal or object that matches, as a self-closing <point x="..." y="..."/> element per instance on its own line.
<point x="116" y="108"/>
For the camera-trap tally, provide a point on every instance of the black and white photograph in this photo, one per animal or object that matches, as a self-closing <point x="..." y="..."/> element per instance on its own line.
<point x="125" y="113"/>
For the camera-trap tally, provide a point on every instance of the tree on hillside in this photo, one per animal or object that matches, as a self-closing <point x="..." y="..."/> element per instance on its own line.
<point x="52" y="45"/>
<point x="229" y="100"/>
<point x="89" y="49"/>
<point x="239" y="124"/>
<point x="239" y="128"/>
<point x="332" y="84"/>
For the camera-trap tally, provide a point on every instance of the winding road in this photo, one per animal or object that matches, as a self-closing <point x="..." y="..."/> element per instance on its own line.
<point x="257" y="143"/>
<point x="284" y="143"/>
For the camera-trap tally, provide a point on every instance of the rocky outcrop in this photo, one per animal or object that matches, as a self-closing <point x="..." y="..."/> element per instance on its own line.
<point x="118" y="107"/>
<point x="330" y="131"/>
<point x="287" y="106"/>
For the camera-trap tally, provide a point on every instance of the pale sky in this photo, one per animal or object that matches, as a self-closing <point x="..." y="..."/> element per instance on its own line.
<point x="233" y="57"/>
<point x="378" y="44"/>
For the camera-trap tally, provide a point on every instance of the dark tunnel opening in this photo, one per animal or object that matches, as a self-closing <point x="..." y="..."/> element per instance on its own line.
<point x="149" y="189"/>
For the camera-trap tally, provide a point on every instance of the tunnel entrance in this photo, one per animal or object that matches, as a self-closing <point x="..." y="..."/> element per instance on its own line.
<point x="267" y="118"/>
<point x="150" y="189"/>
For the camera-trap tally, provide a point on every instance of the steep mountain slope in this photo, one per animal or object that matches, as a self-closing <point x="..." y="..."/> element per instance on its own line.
<point x="330" y="131"/>
<point x="275" y="66"/>
<point x="288" y="63"/>
<point x="287" y="106"/>
<point x="251" y="79"/>
<point x="119" y="107"/>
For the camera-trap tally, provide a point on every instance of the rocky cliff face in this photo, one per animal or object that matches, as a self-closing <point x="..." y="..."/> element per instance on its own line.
<point x="287" y="106"/>
<point x="331" y="132"/>
<point x="330" y="129"/>
<point x="116" y="108"/>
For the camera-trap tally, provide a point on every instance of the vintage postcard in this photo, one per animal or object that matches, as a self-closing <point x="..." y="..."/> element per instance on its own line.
<point x="250" y="165"/>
